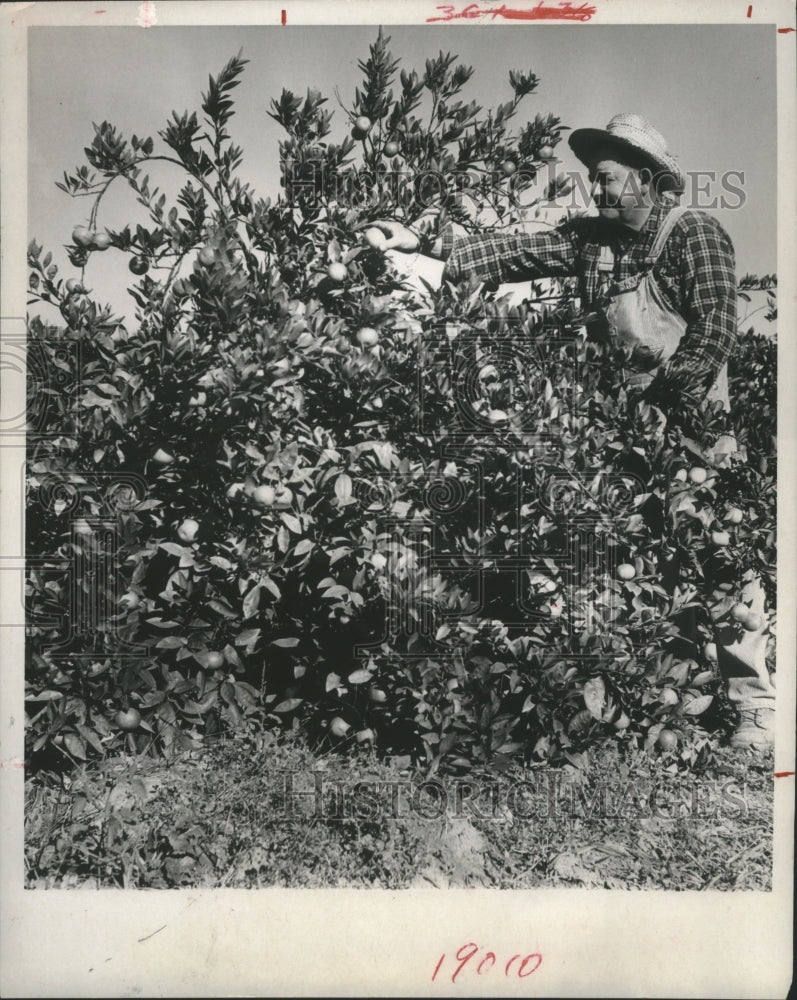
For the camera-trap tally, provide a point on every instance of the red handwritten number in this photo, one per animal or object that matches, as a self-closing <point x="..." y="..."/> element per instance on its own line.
<point x="491" y="958"/>
<point x="750" y="11"/>
<point x="463" y="961"/>
<point x="527" y="966"/>
<point x="538" y="963"/>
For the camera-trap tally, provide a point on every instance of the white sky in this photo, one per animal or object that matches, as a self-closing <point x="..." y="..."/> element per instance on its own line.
<point x="709" y="89"/>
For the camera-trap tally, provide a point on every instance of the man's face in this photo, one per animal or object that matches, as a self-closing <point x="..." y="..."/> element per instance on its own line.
<point x="617" y="188"/>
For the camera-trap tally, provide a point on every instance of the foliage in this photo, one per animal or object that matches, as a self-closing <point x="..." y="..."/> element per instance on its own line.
<point x="431" y="572"/>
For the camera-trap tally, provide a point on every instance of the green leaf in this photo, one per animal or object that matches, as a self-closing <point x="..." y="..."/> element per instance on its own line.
<point x="288" y="705"/>
<point x="251" y="602"/>
<point x="171" y="642"/>
<point x="304" y="546"/>
<point x="223" y="608"/>
<point x="698" y="705"/>
<point x="293" y="523"/>
<point x="360" y="677"/>
<point x="75" y="745"/>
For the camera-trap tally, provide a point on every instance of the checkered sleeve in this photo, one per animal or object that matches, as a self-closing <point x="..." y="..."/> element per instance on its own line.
<point x="509" y="256"/>
<point x="708" y="293"/>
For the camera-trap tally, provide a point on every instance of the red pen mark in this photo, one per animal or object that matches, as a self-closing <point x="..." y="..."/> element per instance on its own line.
<point x="284" y="17"/>
<point x="784" y="774"/>
<point x="528" y="964"/>
<point x="100" y="11"/>
<point x="12" y="765"/>
<point x="146" y="14"/>
<point x="750" y="11"/>
<point x="785" y="31"/>
<point x="561" y="12"/>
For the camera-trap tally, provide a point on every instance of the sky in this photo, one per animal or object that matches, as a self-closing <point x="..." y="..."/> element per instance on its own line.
<point x="709" y="89"/>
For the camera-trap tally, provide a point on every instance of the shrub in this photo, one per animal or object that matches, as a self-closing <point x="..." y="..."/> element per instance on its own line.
<point x="266" y="524"/>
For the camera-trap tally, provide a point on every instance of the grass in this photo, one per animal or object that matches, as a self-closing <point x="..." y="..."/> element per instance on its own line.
<point x="226" y="817"/>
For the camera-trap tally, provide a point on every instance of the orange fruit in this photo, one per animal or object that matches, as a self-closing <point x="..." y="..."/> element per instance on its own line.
<point x="128" y="720"/>
<point x="264" y="496"/>
<point x="82" y="236"/>
<point x="368" y="336"/>
<point x="187" y="530"/>
<point x="339" y="727"/>
<point x="337" y="271"/>
<point x="375" y="238"/>
<point x="138" y="265"/>
<point x="668" y="740"/>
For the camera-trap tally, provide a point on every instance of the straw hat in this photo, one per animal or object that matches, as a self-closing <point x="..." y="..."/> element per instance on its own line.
<point x="635" y="133"/>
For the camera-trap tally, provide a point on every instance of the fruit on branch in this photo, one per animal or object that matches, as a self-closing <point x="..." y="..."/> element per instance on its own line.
<point x="188" y="530"/>
<point x="139" y="265"/>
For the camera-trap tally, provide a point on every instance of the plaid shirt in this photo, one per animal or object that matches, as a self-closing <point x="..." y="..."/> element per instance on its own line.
<point x="695" y="273"/>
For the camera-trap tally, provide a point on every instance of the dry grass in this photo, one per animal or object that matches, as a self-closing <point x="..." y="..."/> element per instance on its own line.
<point x="622" y="820"/>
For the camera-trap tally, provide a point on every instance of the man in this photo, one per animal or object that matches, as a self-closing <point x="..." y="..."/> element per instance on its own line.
<point x="679" y="327"/>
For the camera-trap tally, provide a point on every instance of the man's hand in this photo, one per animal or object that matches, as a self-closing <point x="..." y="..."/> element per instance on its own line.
<point x="398" y="236"/>
<point x="407" y="238"/>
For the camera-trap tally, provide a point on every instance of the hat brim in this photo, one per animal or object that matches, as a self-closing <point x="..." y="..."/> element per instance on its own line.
<point x="583" y="140"/>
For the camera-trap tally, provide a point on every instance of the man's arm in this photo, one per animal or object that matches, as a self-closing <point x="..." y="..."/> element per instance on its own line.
<point x="708" y="291"/>
<point x="507" y="256"/>
<point x="492" y="256"/>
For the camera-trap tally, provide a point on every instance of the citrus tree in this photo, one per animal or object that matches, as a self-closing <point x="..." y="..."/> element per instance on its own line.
<point x="296" y="491"/>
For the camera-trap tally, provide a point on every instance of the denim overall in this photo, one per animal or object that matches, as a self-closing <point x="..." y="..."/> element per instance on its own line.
<point x="639" y="318"/>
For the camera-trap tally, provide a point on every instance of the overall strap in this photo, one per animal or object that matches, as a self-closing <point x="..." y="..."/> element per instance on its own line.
<point x="666" y="227"/>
